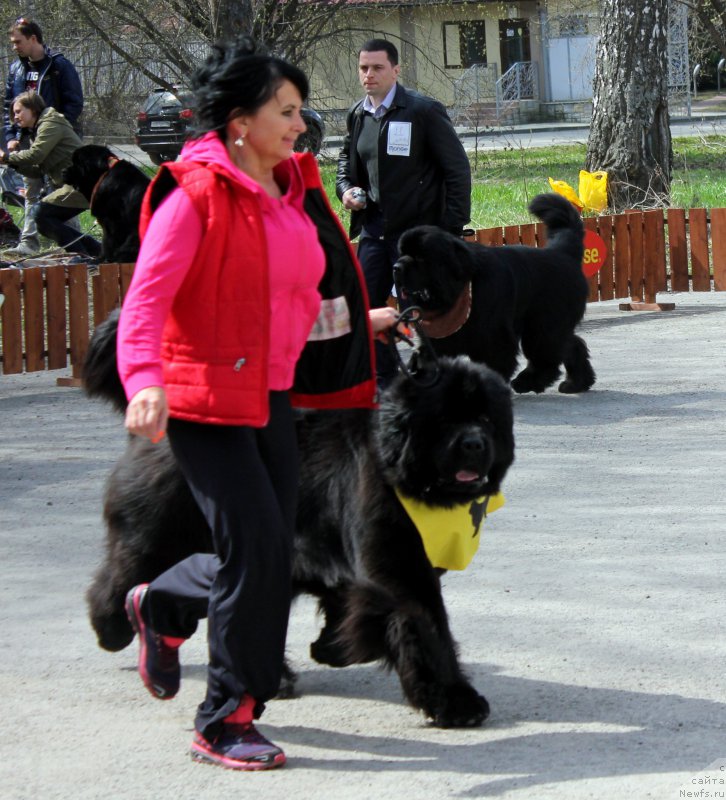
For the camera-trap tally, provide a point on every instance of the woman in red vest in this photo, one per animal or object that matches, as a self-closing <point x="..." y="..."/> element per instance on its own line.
<point x="237" y="312"/>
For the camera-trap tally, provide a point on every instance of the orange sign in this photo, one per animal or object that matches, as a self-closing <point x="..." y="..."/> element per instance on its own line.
<point x="596" y="252"/>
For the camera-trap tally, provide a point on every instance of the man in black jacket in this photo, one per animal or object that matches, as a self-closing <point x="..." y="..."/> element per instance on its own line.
<point x="48" y="72"/>
<point x="401" y="164"/>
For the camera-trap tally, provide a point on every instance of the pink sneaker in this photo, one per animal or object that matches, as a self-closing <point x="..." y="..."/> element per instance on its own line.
<point x="238" y="747"/>
<point x="158" y="655"/>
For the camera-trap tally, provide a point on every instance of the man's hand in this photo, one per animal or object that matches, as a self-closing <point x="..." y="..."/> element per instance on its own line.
<point x="382" y="320"/>
<point x="349" y="201"/>
<point x="13" y="144"/>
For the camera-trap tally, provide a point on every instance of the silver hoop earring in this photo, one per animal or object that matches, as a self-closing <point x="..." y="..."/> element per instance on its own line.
<point x="240" y="141"/>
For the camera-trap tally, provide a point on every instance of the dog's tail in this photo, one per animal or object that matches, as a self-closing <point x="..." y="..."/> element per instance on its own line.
<point x="100" y="373"/>
<point x="564" y="224"/>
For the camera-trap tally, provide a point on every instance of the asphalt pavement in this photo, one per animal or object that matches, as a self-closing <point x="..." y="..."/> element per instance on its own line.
<point x="592" y="616"/>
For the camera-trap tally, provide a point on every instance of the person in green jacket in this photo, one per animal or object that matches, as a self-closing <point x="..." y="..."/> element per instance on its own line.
<point x="53" y="144"/>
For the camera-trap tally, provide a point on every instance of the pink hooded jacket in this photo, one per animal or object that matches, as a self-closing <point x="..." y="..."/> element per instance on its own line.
<point x="227" y="288"/>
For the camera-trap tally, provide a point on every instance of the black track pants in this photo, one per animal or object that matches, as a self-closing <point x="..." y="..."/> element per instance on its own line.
<point x="245" y="482"/>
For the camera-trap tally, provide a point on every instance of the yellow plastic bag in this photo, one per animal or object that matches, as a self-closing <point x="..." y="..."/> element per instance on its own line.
<point x="563" y="188"/>
<point x="593" y="190"/>
<point x="592" y="194"/>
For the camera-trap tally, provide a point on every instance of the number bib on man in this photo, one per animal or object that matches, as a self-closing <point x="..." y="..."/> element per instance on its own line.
<point x="399" y="139"/>
<point x="450" y="536"/>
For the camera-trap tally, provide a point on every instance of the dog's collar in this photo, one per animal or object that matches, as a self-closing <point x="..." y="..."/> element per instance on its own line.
<point x="439" y="325"/>
<point x="112" y="161"/>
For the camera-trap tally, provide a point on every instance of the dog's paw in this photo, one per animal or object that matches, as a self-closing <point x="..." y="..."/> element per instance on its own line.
<point x="571" y="387"/>
<point x="113" y="631"/>
<point x="531" y="380"/>
<point x="525" y="382"/>
<point x="463" y="707"/>
<point x="329" y="652"/>
<point x="288" y="683"/>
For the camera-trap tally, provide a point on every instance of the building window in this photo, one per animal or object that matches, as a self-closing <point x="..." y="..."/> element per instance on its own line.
<point x="465" y="43"/>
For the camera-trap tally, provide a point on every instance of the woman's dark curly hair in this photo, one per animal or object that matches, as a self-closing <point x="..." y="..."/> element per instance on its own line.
<point x="237" y="78"/>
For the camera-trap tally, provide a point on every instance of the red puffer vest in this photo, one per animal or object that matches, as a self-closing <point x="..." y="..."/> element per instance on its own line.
<point x="216" y="339"/>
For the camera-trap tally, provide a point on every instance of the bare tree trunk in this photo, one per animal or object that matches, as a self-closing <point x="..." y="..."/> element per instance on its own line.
<point x="630" y="134"/>
<point x="712" y="16"/>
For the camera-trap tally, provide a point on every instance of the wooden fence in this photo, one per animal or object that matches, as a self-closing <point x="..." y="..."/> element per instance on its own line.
<point x="648" y="251"/>
<point x="49" y="313"/>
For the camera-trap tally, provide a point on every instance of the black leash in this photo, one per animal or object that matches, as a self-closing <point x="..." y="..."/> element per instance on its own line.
<point x="423" y="367"/>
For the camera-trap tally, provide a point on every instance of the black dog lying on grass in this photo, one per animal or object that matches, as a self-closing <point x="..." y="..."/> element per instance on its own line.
<point x="446" y="441"/>
<point x="485" y="302"/>
<point x="114" y="189"/>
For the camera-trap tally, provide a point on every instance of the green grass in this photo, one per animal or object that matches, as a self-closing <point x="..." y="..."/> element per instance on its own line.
<point x="504" y="181"/>
<point x="699" y="173"/>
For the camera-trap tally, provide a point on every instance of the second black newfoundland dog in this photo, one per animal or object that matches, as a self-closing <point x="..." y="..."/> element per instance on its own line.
<point x="114" y="189"/>
<point x="445" y="441"/>
<point x="486" y="302"/>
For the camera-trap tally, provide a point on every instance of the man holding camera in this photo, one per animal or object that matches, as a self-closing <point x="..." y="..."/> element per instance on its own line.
<point x="402" y="164"/>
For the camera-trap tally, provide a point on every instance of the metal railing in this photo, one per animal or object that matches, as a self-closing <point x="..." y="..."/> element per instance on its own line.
<point x="475" y="87"/>
<point x="519" y="82"/>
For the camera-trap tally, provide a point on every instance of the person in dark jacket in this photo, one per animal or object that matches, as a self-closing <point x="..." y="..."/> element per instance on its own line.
<point x="54" y="78"/>
<point x="401" y="164"/>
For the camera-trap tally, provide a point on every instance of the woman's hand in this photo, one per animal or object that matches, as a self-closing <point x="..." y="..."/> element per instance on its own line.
<point x="148" y="413"/>
<point x="382" y="320"/>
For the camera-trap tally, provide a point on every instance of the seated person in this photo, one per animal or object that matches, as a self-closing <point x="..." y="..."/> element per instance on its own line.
<point x="53" y="143"/>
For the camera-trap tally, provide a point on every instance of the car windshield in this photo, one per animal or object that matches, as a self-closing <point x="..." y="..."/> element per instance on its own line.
<point x="161" y="101"/>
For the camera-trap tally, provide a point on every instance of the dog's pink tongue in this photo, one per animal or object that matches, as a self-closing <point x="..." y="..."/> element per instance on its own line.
<point x="465" y="476"/>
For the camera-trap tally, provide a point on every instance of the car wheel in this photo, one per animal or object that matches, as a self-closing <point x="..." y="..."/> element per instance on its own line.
<point x="159" y="158"/>
<point x="309" y="142"/>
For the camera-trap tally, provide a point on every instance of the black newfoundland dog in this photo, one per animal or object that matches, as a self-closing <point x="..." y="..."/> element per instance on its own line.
<point x="114" y="189"/>
<point x="486" y="302"/>
<point x="447" y="443"/>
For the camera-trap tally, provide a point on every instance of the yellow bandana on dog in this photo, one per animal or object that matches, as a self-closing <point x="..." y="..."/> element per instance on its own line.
<point x="450" y="536"/>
